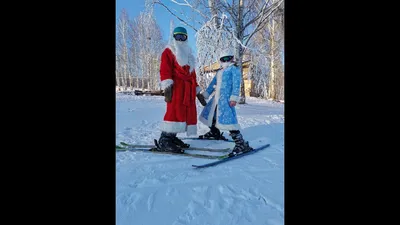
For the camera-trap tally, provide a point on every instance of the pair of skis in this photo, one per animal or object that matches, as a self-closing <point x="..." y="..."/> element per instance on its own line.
<point x="220" y="159"/>
<point x="154" y="149"/>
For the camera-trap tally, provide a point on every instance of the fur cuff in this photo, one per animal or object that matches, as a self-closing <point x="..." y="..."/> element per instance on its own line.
<point x="228" y="126"/>
<point x="173" y="127"/>
<point x="165" y="83"/>
<point x="234" y="98"/>
<point x="191" y="130"/>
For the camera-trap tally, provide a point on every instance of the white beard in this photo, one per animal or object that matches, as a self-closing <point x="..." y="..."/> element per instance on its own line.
<point x="226" y="64"/>
<point x="183" y="53"/>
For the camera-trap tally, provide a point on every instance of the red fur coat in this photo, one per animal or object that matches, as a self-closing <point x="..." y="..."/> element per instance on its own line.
<point x="181" y="114"/>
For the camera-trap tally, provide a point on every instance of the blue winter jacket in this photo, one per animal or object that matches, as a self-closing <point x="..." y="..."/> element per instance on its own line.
<point x="226" y="87"/>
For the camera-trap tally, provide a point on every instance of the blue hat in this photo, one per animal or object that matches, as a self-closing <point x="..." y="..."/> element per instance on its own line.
<point x="180" y="30"/>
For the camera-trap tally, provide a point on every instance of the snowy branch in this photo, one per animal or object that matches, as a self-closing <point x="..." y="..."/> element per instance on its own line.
<point x="261" y="23"/>
<point x="189" y="5"/>
<point x="183" y="21"/>
<point x="260" y="14"/>
<point x="229" y="9"/>
<point x="250" y="7"/>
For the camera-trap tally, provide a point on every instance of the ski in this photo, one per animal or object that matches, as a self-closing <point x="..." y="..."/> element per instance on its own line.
<point x="205" y="139"/>
<point x="151" y="150"/>
<point x="226" y="158"/>
<point x="124" y="145"/>
<point x="223" y="138"/>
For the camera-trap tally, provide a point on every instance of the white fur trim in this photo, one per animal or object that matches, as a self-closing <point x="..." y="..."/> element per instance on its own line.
<point x="198" y="89"/>
<point x="227" y="126"/>
<point x="211" y="114"/>
<point x="179" y="127"/>
<point x="203" y="120"/>
<point x="205" y="94"/>
<point x="226" y="65"/>
<point x="234" y="98"/>
<point x="165" y="83"/>
<point x="227" y="52"/>
<point x="173" y="127"/>
<point x="218" y="87"/>
<point x="191" y="130"/>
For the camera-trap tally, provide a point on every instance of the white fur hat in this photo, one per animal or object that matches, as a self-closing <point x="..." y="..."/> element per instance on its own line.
<point x="227" y="52"/>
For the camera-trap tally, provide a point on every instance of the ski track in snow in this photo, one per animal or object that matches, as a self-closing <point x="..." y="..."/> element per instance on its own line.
<point x="158" y="189"/>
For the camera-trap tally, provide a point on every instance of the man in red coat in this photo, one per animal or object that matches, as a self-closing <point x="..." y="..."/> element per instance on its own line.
<point x="178" y="81"/>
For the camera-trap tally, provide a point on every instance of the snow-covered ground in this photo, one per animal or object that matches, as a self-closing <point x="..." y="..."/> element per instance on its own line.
<point x="166" y="190"/>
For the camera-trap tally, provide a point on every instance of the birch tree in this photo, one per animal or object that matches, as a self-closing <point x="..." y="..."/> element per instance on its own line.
<point x="277" y="50"/>
<point x="267" y="62"/>
<point x="117" y="71"/>
<point x="147" y="43"/>
<point x="122" y="48"/>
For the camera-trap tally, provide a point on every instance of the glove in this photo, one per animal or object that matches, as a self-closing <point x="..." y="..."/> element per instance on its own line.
<point x="201" y="99"/>
<point x="168" y="94"/>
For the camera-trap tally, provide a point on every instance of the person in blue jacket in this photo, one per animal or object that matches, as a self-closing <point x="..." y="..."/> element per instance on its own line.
<point x="219" y="113"/>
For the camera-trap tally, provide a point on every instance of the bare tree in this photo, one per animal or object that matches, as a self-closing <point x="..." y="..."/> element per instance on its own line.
<point x="242" y="21"/>
<point x="277" y="85"/>
<point x="266" y="52"/>
<point x="132" y="53"/>
<point x="147" y="44"/>
<point x="117" y="71"/>
<point x="122" y="48"/>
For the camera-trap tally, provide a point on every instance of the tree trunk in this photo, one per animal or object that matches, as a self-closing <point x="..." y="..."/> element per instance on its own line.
<point x="272" y="77"/>
<point x="214" y="13"/>
<point x="239" y="51"/>
<point x="117" y="73"/>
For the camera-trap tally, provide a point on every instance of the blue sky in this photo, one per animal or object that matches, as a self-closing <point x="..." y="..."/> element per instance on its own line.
<point x="163" y="17"/>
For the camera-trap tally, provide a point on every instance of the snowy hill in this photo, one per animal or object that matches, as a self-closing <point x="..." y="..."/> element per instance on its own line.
<point x="166" y="190"/>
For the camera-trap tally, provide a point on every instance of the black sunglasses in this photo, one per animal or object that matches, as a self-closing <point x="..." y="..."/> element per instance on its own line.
<point x="180" y="37"/>
<point x="226" y="58"/>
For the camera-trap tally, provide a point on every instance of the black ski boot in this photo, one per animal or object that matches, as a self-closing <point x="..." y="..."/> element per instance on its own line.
<point x="241" y="146"/>
<point x="213" y="134"/>
<point x="180" y="143"/>
<point x="167" y="144"/>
